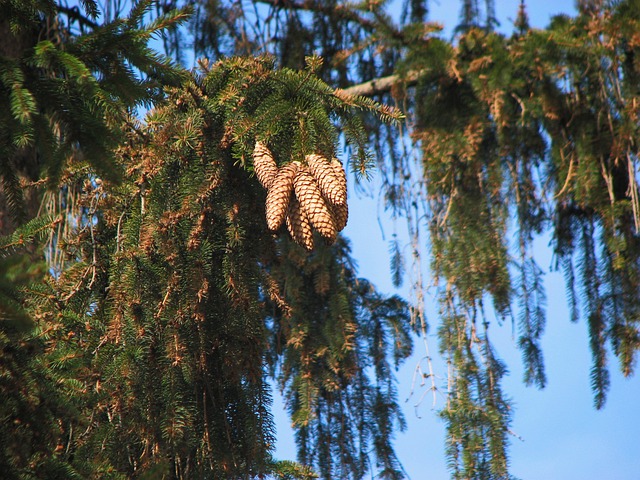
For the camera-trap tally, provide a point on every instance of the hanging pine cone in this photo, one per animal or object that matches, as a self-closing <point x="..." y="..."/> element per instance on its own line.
<point x="279" y="195"/>
<point x="329" y="183"/>
<point x="299" y="226"/>
<point x="340" y="215"/>
<point x="264" y="165"/>
<point x="312" y="203"/>
<point x="341" y="176"/>
<point x="340" y="211"/>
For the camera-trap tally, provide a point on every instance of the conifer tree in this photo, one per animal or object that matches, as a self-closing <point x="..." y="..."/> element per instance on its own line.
<point x="64" y="100"/>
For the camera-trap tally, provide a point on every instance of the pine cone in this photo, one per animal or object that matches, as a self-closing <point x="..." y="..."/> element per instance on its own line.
<point x="329" y="183"/>
<point x="313" y="205"/>
<point x="299" y="226"/>
<point x="279" y="195"/>
<point x="340" y="175"/>
<point x="340" y="215"/>
<point x="264" y="165"/>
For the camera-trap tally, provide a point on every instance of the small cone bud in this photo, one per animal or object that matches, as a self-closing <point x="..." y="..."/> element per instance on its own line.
<point x="299" y="226"/>
<point x="264" y="165"/>
<point x="313" y="205"/>
<point x="279" y="195"/>
<point x="325" y="175"/>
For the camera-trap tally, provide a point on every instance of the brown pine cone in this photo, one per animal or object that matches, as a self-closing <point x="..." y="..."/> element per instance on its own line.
<point x="340" y="215"/>
<point x="313" y="205"/>
<point x="264" y="165"/>
<point x="341" y="176"/>
<point x="329" y="183"/>
<point x="299" y="226"/>
<point x="279" y="195"/>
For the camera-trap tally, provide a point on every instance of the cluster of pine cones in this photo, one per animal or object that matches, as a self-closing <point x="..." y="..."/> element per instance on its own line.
<point x="305" y="196"/>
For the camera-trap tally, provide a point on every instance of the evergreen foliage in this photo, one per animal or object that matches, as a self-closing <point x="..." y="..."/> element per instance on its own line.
<point x="146" y="311"/>
<point x="64" y="100"/>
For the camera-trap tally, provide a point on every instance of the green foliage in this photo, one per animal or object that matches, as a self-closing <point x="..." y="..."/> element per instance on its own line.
<point x="288" y="470"/>
<point x="63" y="102"/>
<point x="167" y="316"/>
<point x="477" y="413"/>
<point x="35" y="405"/>
<point x="337" y="342"/>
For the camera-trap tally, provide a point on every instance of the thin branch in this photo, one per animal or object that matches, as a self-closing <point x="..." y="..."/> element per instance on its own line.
<point x="347" y="12"/>
<point x="344" y="12"/>
<point x="75" y="14"/>
<point x="383" y="84"/>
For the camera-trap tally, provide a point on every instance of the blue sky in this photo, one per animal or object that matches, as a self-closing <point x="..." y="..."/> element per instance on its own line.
<point x="561" y="435"/>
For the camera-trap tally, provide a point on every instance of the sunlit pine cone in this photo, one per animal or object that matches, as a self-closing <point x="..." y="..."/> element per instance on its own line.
<point x="312" y="203"/>
<point x="264" y="165"/>
<point x="340" y="212"/>
<point x="329" y="183"/>
<point x="279" y="195"/>
<point x="299" y="226"/>
<point x="341" y="176"/>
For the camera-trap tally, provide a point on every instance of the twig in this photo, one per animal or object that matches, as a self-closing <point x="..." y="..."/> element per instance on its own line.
<point x="383" y="84"/>
<point x="569" y="175"/>
<point x="118" y="236"/>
